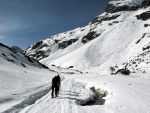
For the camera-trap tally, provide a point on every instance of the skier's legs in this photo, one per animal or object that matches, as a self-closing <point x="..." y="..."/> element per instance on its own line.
<point x="52" y="91"/>
<point x="56" y="90"/>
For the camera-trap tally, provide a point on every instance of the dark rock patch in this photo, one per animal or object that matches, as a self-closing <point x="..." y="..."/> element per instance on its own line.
<point x="37" y="45"/>
<point x="56" y="41"/>
<point x="113" y="9"/>
<point x="70" y="67"/>
<point x="146" y="25"/>
<point x="141" y="38"/>
<point x="65" y="44"/>
<point x="144" y="16"/>
<point x="23" y="65"/>
<point x="10" y="60"/>
<point x="124" y="71"/>
<point x="104" y="18"/>
<point x="147" y="47"/>
<point x="145" y="3"/>
<point x="90" y="36"/>
<point x="13" y="56"/>
<point x="4" y="54"/>
<point x="40" y="54"/>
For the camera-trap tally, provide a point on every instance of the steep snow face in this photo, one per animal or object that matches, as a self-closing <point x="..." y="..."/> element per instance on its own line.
<point x="49" y="46"/>
<point x="117" y="38"/>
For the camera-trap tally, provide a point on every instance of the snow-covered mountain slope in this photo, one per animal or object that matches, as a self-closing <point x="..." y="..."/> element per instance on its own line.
<point x="18" y="49"/>
<point x="118" y="38"/>
<point x="85" y="57"/>
<point x="9" y="55"/>
<point x="22" y="80"/>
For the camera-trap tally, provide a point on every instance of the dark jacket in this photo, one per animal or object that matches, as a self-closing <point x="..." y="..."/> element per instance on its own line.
<point x="56" y="81"/>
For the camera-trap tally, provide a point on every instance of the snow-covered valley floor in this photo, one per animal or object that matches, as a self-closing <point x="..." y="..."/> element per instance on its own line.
<point x="66" y="102"/>
<point x="126" y="94"/>
<point x="28" y="90"/>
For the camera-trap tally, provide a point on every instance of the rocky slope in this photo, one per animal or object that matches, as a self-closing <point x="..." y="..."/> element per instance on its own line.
<point x="117" y="39"/>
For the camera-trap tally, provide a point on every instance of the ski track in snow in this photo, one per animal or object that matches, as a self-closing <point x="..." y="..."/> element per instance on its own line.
<point x="73" y="92"/>
<point x="66" y="102"/>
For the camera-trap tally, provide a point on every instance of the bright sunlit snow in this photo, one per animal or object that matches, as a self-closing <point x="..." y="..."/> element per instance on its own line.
<point x="88" y="60"/>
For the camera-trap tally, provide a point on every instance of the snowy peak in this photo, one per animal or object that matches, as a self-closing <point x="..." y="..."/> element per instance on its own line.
<point x="126" y="2"/>
<point x="126" y="5"/>
<point x="115" y="7"/>
<point x="123" y="5"/>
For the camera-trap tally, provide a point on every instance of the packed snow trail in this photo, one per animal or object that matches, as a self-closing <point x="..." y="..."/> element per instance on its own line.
<point x="125" y="95"/>
<point x="71" y="95"/>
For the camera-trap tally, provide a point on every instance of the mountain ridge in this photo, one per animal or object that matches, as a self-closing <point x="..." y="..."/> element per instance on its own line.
<point x="109" y="40"/>
<point x="12" y="56"/>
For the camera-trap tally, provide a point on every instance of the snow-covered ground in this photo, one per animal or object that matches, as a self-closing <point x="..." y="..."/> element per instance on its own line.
<point x="22" y="81"/>
<point x="126" y="94"/>
<point x="85" y="58"/>
<point x="18" y="85"/>
<point x="28" y="89"/>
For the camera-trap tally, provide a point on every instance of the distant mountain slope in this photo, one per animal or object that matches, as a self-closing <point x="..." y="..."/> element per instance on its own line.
<point x="10" y="55"/>
<point x="17" y="49"/>
<point x="118" y="38"/>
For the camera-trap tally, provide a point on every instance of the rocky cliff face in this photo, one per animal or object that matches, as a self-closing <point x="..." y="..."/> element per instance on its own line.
<point x="117" y="38"/>
<point x="122" y="5"/>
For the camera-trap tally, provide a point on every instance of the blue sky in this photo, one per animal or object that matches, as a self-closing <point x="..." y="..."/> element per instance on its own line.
<point x="24" y="22"/>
